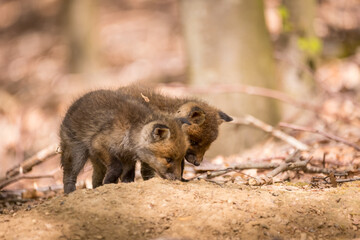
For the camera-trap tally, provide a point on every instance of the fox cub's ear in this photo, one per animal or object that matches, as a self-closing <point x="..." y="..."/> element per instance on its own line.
<point x="160" y="132"/>
<point x="223" y="117"/>
<point x="196" y="115"/>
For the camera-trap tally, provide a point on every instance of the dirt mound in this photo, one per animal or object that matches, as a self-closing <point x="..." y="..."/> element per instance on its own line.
<point x="160" y="209"/>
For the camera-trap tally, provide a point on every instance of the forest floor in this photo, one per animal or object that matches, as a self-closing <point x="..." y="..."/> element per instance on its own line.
<point x="161" y="209"/>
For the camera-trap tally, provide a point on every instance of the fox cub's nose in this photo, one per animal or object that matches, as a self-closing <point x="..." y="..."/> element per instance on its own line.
<point x="172" y="176"/>
<point x="191" y="158"/>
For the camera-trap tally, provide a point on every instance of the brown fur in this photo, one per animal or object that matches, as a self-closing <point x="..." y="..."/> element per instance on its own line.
<point x="114" y="131"/>
<point x="205" y="119"/>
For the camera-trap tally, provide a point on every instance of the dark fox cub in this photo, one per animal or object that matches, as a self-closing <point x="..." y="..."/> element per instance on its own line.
<point x="204" y="119"/>
<point x="114" y="131"/>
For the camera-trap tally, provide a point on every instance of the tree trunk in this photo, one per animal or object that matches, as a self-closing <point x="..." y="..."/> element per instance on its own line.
<point x="80" y="19"/>
<point x="228" y="43"/>
<point x="302" y="47"/>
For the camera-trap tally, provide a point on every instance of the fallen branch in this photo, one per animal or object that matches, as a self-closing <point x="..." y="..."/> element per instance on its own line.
<point x="266" y="179"/>
<point x="325" y="134"/>
<point x="278" y="168"/>
<point x="242" y="166"/>
<point x="15" y="179"/>
<point x="249" y="162"/>
<point x="250" y="90"/>
<point x="333" y="181"/>
<point x="347" y="180"/>
<point x="312" y="169"/>
<point x="250" y="120"/>
<point x="29" y="163"/>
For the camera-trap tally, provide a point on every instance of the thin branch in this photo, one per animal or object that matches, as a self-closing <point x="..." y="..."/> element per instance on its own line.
<point x="250" y="90"/>
<point x="312" y="169"/>
<point x="254" y="165"/>
<point x="15" y="179"/>
<point x="242" y="166"/>
<point x="29" y="163"/>
<point x="250" y="120"/>
<point x="325" y="134"/>
<point x="278" y="168"/>
<point x="347" y="180"/>
<point x="268" y="178"/>
<point x="212" y="174"/>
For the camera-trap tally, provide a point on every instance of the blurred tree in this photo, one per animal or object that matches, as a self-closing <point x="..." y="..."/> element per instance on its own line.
<point x="228" y="43"/>
<point x="80" y="19"/>
<point x="302" y="46"/>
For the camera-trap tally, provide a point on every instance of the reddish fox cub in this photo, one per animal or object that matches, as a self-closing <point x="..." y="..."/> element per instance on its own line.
<point x="114" y="131"/>
<point x="204" y="119"/>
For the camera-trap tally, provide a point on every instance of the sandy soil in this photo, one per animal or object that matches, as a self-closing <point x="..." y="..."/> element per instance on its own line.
<point x="161" y="209"/>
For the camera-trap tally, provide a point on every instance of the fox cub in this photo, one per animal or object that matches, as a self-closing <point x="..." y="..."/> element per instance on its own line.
<point x="204" y="119"/>
<point x="114" y="131"/>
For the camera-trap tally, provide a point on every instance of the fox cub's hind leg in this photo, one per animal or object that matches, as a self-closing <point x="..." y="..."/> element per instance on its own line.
<point x="72" y="162"/>
<point x="146" y="171"/>
<point x="99" y="171"/>
<point x="113" y="172"/>
<point x="128" y="174"/>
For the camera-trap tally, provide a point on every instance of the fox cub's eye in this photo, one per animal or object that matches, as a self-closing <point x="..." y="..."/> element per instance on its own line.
<point x="169" y="160"/>
<point x="193" y="143"/>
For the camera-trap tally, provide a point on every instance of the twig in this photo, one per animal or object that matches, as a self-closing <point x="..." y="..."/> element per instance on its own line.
<point x="250" y="120"/>
<point x="347" y="180"/>
<point x="250" y="163"/>
<point x="242" y="166"/>
<point x="29" y="163"/>
<point x="255" y="165"/>
<point x="312" y="169"/>
<point x="325" y="134"/>
<point x="282" y="167"/>
<point x="324" y="158"/>
<point x="250" y="90"/>
<point x="15" y="179"/>
<point x="268" y="178"/>
<point x="278" y="168"/>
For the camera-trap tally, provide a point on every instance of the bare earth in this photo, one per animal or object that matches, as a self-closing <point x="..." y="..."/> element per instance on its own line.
<point x="161" y="209"/>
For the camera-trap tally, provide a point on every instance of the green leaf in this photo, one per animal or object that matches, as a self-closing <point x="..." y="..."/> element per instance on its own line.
<point x="285" y="18"/>
<point x="311" y="45"/>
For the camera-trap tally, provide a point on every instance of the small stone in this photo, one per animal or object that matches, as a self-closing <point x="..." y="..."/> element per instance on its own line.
<point x="34" y="221"/>
<point x="99" y="237"/>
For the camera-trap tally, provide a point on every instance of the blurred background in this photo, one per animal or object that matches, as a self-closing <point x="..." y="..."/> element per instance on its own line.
<point x="52" y="51"/>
